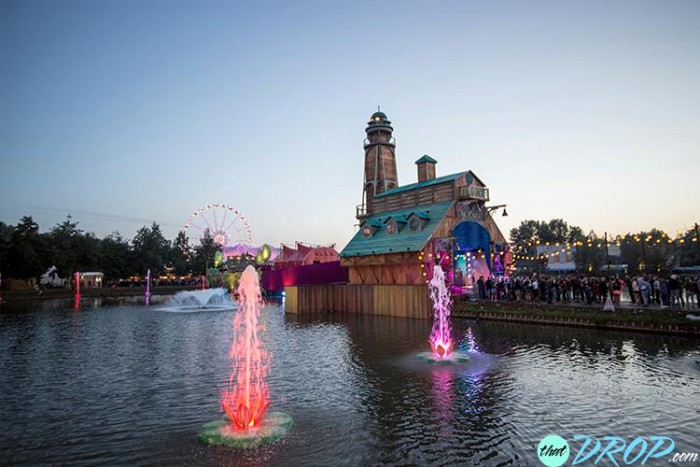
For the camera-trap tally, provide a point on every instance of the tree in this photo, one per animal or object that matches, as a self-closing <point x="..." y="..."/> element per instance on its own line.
<point x="688" y="248"/>
<point x="575" y="234"/>
<point x="27" y="252"/>
<point x="525" y="232"/>
<point x="180" y="254"/>
<point x="71" y="249"/>
<point x="88" y="248"/>
<point x="114" y="257"/>
<point x="554" y="231"/>
<point x="5" y="244"/>
<point x="150" y="250"/>
<point x="63" y="247"/>
<point x="558" y="231"/>
<point x="531" y="233"/>
<point x="204" y="252"/>
<point x="589" y="255"/>
<point x="647" y="252"/>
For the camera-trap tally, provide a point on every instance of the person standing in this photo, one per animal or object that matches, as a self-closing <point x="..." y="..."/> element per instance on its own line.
<point x="674" y="287"/>
<point x="630" y="288"/>
<point x="616" y="291"/>
<point x="635" y="291"/>
<point x="644" y="290"/>
<point x="664" y="293"/>
<point x="603" y="289"/>
<point x="535" y="288"/>
<point x="690" y="292"/>
<point x="482" y="287"/>
<point x="657" y="290"/>
<point x="588" y="291"/>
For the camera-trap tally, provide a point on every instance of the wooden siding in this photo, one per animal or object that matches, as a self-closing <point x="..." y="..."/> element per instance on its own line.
<point x="416" y="198"/>
<point x="406" y="301"/>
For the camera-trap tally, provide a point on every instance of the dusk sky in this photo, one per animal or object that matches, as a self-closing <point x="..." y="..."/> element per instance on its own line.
<point x="126" y="112"/>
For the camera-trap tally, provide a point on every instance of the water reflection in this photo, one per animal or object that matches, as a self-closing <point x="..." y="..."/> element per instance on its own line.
<point x="116" y="382"/>
<point x="443" y="400"/>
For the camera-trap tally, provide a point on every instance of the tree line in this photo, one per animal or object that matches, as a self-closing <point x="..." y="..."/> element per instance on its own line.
<point x="26" y="253"/>
<point x="652" y="251"/>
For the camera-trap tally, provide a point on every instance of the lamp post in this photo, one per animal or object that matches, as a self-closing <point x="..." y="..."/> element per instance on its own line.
<point x="490" y="209"/>
<point x="607" y="254"/>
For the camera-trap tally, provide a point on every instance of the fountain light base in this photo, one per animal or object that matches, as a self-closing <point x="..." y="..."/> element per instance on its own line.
<point x="274" y="426"/>
<point x="454" y="357"/>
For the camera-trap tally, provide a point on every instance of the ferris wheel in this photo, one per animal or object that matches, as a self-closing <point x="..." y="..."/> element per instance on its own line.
<point x="225" y="223"/>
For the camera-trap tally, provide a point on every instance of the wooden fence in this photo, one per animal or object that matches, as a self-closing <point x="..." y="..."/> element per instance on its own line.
<point x="408" y="301"/>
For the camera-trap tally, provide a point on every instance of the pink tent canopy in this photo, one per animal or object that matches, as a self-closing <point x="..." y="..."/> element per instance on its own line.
<point x="306" y="254"/>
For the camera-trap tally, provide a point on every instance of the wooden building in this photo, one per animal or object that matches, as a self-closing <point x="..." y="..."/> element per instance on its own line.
<point x="405" y="230"/>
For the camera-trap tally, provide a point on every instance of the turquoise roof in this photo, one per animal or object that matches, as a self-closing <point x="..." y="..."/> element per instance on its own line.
<point x="415" y="186"/>
<point x="426" y="158"/>
<point x="399" y="218"/>
<point x="404" y="240"/>
<point x="421" y="214"/>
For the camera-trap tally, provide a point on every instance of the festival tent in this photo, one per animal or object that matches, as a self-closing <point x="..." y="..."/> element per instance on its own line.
<point x="304" y="255"/>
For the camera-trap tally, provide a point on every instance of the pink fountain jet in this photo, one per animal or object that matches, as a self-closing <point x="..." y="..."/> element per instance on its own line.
<point x="246" y="398"/>
<point x="76" y="301"/>
<point x="441" y="333"/>
<point x="77" y="285"/>
<point x="441" y="343"/>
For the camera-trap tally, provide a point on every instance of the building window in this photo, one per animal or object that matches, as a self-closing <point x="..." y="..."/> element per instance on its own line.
<point x="414" y="224"/>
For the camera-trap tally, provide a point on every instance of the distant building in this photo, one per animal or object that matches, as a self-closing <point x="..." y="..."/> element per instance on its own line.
<point x="560" y="258"/>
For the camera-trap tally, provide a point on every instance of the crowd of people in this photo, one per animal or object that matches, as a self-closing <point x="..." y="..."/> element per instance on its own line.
<point x="643" y="290"/>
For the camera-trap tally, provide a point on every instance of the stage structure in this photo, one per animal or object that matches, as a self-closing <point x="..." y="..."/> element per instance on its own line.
<point x="404" y="231"/>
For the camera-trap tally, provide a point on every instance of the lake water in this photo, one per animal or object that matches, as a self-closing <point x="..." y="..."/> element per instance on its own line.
<point x="119" y="383"/>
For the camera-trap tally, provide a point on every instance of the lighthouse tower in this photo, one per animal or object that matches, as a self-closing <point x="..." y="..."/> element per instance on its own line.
<point x="380" y="161"/>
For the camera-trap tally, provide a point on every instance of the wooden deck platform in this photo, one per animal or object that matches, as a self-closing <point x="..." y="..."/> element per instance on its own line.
<point x="408" y="301"/>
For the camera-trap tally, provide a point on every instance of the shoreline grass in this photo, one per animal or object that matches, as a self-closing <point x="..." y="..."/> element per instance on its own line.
<point x="653" y="320"/>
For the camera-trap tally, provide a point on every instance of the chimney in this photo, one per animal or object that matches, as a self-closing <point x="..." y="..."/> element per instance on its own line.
<point x="426" y="168"/>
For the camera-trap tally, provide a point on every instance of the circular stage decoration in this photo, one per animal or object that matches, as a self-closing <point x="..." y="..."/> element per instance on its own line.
<point x="225" y="224"/>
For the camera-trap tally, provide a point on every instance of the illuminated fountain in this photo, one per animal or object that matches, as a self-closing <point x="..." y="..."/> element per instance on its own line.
<point x="76" y="298"/>
<point x="148" y="286"/>
<point x="246" y="397"/>
<point x="441" y="343"/>
<point x="77" y="285"/>
<point x="191" y="301"/>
